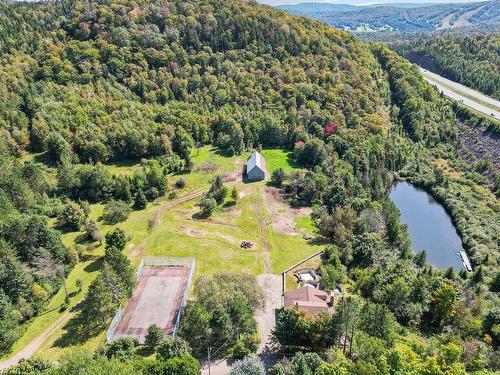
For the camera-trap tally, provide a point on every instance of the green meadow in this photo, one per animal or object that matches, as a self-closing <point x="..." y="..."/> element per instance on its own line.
<point x="177" y="231"/>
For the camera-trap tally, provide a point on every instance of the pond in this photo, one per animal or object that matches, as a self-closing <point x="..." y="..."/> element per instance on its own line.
<point x="429" y="225"/>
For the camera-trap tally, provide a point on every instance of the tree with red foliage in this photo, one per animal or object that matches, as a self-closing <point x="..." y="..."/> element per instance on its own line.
<point x="330" y="128"/>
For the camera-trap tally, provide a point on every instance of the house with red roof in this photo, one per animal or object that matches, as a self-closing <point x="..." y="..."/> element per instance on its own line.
<point x="308" y="299"/>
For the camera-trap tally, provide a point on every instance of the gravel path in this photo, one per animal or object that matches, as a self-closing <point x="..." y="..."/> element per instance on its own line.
<point x="271" y="284"/>
<point x="34" y="345"/>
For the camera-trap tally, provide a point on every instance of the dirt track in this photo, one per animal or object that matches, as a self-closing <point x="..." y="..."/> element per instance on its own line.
<point x="34" y="345"/>
<point x="281" y="213"/>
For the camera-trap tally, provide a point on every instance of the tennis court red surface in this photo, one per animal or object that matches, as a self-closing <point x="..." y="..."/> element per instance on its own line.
<point x="156" y="300"/>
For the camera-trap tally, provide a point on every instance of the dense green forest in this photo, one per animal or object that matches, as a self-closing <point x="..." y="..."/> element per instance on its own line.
<point x="85" y="83"/>
<point x="473" y="61"/>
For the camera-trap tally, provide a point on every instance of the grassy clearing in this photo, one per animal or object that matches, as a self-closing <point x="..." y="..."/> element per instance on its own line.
<point x="305" y="224"/>
<point x="215" y="242"/>
<point x="123" y="167"/>
<point x="208" y="162"/>
<point x="86" y="271"/>
<point x="279" y="159"/>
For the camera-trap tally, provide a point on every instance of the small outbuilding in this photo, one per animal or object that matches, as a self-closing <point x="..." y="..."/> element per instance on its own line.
<point x="255" y="167"/>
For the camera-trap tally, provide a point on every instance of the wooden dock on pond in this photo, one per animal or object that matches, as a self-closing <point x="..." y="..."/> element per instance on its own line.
<point x="465" y="261"/>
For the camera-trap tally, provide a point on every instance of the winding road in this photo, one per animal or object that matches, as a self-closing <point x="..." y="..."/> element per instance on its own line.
<point x="466" y="96"/>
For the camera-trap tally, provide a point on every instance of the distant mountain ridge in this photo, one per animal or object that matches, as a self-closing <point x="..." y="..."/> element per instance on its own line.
<point x="317" y="7"/>
<point x="401" y="16"/>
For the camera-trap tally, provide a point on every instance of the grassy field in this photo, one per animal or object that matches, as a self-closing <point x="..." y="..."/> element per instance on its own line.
<point x="176" y="231"/>
<point x="279" y="159"/>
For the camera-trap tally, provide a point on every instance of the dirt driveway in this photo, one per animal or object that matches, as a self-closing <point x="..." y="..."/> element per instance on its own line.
<point x="271" y="284"/>
<point x="34" y="345"/>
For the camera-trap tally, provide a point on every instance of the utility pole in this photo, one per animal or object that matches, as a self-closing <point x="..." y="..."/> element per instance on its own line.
<point x="66" y="299"/>
<point x="60" y="272"/>
<point x="209" y="351"/>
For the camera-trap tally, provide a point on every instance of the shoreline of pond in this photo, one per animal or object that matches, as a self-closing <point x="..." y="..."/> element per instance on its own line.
<point x="423" y="231"/>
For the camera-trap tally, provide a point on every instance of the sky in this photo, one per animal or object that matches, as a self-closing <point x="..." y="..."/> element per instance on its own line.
<point x="359" y="2"/>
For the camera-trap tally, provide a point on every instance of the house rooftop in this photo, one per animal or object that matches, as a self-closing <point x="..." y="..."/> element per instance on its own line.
<point x="307" y="298"/>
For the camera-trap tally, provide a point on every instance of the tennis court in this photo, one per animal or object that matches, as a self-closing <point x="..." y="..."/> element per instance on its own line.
<point x="158" y="298"/>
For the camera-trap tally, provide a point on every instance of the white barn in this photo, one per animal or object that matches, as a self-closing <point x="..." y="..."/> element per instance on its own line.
<point x="255" y="167"/>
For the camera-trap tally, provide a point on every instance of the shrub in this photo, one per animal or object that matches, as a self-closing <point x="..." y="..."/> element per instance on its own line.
<point x="115" y="212"/>
<point x="71" y="217"/>
<point x="123" y="348"/>
<point x="79" y="284"/>
<point x="152" y="194"/>
<point x="171" y="347"/>
<point x="278" y="177"/>
<point x="234" y="194"/>
<point x="248" y="366"/>
<point x="116" y="238"/>
<point x="153" y="337"/>
<point x="245" y="346"/>
<point x="92" y="233"/>
<point x="207" y="206"/>
<point x="183" y="365"/>
<point x="28" y="367"/>
<point x="180" y="183"/>
<point x="72" y="256"/>
<point x="140" y="201"/>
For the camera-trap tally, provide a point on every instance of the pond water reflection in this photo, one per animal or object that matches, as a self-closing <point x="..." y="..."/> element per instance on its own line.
<point x="429" y="225"/>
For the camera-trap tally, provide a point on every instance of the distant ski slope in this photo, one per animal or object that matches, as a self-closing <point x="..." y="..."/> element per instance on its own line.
<point x="402" y="16"/>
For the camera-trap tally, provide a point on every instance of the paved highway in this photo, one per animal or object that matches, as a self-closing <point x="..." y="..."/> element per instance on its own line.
<point x="471" y="98"/>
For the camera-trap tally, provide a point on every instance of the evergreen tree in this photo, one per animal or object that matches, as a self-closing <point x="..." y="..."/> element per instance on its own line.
<point x="140" y="201"/>
<point x="97" y="307"/>
<point x="121" y="266"/>
<point x="117" y="238"/>
<point x="478" y="276"/>
<point x="153" y="337"/>
<point x="217" y="190"/>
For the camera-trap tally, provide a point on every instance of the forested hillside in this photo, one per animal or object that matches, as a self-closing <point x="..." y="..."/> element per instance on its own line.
<point x="403" y="17"/>
<point x="115" y="81"/>
<point x="473" y="60"/>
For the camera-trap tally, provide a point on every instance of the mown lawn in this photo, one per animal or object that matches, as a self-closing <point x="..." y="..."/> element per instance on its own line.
<point x="215" y="242"/>
<point x="276" y="158"/>
<point x="207" y="163"/>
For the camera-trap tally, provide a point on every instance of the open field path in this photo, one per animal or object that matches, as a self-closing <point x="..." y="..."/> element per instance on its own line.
<point x="184" y="199"/>
<point x="465" y="95"/>
<point x="34" y="345"/>
<point x="262" y="229"/>
<point x="231" y="176"/>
